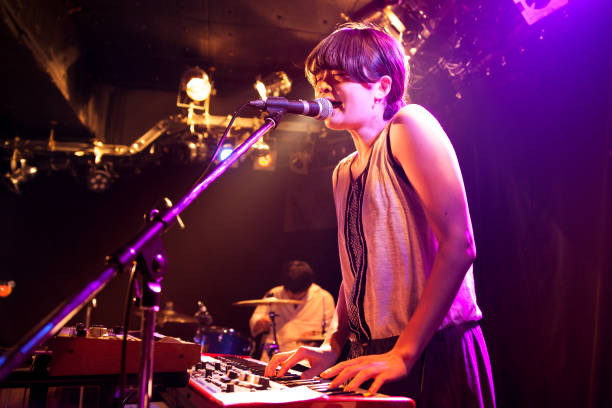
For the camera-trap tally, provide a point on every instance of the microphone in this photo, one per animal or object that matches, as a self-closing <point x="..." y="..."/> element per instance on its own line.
<point x="320" y="108"/>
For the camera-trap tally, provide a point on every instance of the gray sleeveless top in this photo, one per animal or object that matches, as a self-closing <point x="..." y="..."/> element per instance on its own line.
<point x="387" y="248"/>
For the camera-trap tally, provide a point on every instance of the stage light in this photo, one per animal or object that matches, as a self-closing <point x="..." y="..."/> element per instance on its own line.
<point x="20" y="171"/>
<point x="99" y="179"/>
<point x="264" y="161"/>
<point x="533" y="11"/>
<point x="265" y="157"/>
<point x="261" y="90"/>
<point x="195" y="89"/>
<point x="260" y="147"/>
<point x="393" y="21"/>
<point x="6" y="287"/>
<point x="386" y="19"/>
<point x="225" y="151"/>
<point x="198" y="88"/>
<point x="275" y="84"/>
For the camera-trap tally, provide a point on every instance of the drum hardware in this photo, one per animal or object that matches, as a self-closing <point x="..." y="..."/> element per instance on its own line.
<point x="202" y="315"/>
<point x="223" y="340"/>
<point x="170" y="316"/>
<point x="271" y="348"/>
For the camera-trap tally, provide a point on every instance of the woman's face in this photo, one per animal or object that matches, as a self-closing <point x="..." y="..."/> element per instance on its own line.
<point x="356" y="97"/>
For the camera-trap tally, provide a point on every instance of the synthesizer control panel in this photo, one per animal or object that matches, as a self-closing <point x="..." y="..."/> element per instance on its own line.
<point x="227" y="381"/>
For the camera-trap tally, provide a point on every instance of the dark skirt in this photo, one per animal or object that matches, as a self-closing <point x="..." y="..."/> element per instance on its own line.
<point x="453" y="371"/>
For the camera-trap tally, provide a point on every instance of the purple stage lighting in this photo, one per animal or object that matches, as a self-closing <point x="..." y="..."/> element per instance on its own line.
<point x="534" y="10"/>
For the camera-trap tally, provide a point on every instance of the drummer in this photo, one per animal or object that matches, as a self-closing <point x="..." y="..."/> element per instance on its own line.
<point x="294" y="322"/>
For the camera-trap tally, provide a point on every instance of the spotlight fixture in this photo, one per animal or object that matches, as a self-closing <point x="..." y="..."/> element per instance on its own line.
<point x="275" y="84"/>
<point x="225" y="151"/>
<point x="384" y="18"/>
<point x="198" y="88"/>
<point x="533" y="11"/>
<point x="260" y="147"/>
<point x="265" y="157"/>
<point x="194" y="91"/>
<point x="266" y="162"/>
<point x="6" y="288"/>
<point x="99" y="179"/>
<point x="20" y="171"/>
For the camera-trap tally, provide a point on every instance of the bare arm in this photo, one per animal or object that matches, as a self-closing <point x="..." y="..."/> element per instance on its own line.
<point x="428" y="159"/>
<point x="423" y="150"/>
<point x="259" y="321"/>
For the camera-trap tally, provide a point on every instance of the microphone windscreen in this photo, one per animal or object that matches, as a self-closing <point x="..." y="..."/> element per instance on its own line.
<point x="326" y="108"/>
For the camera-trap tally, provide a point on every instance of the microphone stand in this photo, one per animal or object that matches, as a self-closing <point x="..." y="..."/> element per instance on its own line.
<point x="146" y="249"/>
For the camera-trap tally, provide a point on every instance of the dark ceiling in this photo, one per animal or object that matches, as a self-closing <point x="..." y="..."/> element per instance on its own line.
<point x="80" y="44"/>
<point x="108" y="70"/>
<point x="59" y="53"/>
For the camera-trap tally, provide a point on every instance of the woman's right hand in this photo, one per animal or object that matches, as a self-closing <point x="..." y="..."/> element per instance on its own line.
<point x="319" y="359"/>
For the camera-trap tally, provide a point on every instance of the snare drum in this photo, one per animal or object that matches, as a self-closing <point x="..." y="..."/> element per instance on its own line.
<point x="223" y="340"/>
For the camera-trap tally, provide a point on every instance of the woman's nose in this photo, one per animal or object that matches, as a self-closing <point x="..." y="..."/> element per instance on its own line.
<point x="323" y="89"/>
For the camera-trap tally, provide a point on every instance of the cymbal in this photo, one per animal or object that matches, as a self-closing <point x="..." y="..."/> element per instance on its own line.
<point x="268" y="301"/>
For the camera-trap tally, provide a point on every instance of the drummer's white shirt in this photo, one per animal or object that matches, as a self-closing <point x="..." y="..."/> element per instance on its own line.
<point x="296" y="321"/>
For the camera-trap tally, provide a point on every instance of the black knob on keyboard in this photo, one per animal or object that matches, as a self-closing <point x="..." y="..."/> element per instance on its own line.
<point x="264" y="382"/>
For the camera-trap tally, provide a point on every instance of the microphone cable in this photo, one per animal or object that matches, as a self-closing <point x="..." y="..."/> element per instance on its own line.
<point x="219" y="145"/>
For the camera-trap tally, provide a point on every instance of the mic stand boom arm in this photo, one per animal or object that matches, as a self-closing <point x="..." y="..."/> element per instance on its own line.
<point x="146" y="248"/>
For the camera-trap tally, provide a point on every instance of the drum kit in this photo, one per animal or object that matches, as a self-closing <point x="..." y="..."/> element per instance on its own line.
<point x="222" y="340"/>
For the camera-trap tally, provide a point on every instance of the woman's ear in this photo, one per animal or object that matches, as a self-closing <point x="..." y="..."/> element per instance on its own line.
<point x="383" y="87"/>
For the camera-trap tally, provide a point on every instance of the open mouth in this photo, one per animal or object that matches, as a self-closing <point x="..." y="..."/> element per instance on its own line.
<point x="336" y="104"/>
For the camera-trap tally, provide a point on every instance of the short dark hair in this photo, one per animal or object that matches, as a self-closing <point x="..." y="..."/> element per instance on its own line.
<point x="365" y="53"/>
<point x="297" y="276"/>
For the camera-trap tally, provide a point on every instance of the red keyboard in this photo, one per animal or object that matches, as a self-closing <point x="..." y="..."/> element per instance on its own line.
<point x="228" y="381"/>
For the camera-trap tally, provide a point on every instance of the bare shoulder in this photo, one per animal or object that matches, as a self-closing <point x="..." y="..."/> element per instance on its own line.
<point x="414" y="127"/>
<point x="416" y="118"/>
<point x="412" y="111"/>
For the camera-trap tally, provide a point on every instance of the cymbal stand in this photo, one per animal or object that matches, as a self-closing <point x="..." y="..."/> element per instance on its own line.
<point x="272" y="348"/>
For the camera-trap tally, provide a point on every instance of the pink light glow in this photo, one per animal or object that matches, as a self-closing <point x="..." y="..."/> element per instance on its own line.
<point x="532" y="12"/>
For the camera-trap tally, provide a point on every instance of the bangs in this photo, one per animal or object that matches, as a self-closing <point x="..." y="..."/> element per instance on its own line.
<point x="364" y="53"/>
<point x="347" y="51"/>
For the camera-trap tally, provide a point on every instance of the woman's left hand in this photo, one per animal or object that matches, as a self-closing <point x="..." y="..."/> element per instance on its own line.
<point x="380" y="367"/>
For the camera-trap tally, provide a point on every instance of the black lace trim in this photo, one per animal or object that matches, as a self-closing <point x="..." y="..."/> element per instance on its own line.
<point x="356" y="248"/>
